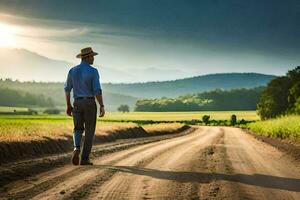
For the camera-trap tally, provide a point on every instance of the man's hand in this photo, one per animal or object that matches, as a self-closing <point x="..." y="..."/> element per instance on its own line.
<point x="102" y="111"/>
<point x="100" y="101"/>
<point x="69" y="110"/>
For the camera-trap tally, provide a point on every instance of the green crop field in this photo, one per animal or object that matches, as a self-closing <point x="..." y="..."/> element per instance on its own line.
<point x="177" y="116"/>
<point x="155" y="116"/>
<point x="287" y="127"/>
<point x="8" y="109"/>
<point x="11" y="109"/>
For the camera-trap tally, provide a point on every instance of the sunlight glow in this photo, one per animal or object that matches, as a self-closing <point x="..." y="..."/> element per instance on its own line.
<point x="8" y="35"/>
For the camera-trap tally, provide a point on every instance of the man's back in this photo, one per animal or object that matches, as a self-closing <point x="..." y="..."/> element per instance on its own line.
<point x="84" y="80"/>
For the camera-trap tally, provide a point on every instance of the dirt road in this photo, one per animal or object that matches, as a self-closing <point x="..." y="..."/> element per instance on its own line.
<point x="209" y="163"/>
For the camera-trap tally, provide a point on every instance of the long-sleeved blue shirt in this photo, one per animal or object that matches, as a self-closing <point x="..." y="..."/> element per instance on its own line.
<point x="84" y="80"/>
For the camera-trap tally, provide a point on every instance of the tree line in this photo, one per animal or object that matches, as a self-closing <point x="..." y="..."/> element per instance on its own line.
<point x="55" y="91"/>
<point x="235" y="99"/>
<point x="10" y="97"/>
<point x="281" y="96"/>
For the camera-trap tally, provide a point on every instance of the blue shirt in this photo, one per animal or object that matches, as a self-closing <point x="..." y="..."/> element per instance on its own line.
<point x="84" y="80"/>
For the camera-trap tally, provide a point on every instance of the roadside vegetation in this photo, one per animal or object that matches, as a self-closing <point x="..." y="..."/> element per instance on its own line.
<point x="286" y="127"/>
<point x="279" y="108"/>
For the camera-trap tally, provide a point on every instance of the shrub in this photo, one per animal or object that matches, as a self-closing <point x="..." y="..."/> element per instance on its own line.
<point x="242" y="121"/>
<point x="52" y="111"/>
<point x="205" y="119"/>
<point x="123" y="108"/>
<point x="31" y="111"/>
<point x="233" y="120"/>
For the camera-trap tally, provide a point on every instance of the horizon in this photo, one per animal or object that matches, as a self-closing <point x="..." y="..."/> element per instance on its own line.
<point x="197" y="76"/>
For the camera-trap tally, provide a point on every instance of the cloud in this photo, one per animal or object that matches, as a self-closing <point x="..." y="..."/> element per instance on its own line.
<point x="195" y="36"/>
<point x="73" y="31"/>
<point x="43" y="32"/>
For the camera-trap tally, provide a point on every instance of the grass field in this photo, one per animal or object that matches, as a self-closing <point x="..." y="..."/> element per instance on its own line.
<point x="8" y="109"/>
<point x="177" y="116"/>
<point x="287" y="127"/>
<point x="11" y="109"/>
<point x="155" y="116"/>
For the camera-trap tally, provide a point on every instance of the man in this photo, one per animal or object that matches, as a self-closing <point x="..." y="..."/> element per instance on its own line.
<point x="84" y="80"/>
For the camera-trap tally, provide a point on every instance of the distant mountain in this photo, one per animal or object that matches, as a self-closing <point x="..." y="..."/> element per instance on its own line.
<point x="25" y="65"/>
<point x="190" y="85"/>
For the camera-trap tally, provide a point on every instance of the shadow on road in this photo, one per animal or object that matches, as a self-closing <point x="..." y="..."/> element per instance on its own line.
<point x="290" y="184"/>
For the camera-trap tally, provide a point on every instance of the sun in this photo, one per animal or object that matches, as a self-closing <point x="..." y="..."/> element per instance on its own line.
<point x="7" y="35"/>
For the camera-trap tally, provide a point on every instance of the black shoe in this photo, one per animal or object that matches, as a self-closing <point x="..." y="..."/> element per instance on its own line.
<point x="86" y="162"/>
<point x="75" y="157"/>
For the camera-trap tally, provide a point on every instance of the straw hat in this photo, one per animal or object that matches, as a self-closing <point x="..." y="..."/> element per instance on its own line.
<point x="86" y="52"/>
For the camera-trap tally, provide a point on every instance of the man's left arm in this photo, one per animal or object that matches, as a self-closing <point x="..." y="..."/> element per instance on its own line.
<point x="98" y="92"/>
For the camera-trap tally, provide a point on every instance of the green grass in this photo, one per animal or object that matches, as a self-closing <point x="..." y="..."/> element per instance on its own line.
<point x="287" y="127"/>
<point x="20" y="109"/>
<point x="155" y="116"/>
<point x="178" y="116"/>
<point x="11" y="109"/>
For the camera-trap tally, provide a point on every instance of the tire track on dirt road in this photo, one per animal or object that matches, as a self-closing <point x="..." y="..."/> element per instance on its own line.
<point x="28" y="188"/>
<point x="137" y="158"/>
<point x="61" y="185"/>
<point x="225" y="163"/>
<point x="261" y="171"/>
<point x="128" y="185"/>
<point x="210" y="163"/>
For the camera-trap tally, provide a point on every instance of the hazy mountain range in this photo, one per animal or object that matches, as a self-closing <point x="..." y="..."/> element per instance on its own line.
<point x="25" y="65"/>
<point x="195" y="84"/>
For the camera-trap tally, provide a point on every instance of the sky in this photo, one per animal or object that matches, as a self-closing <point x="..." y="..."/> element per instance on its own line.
<point x="159" y="39"/>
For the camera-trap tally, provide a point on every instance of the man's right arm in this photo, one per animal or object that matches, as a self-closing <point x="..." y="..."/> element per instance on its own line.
<point x="68" y="87"/>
